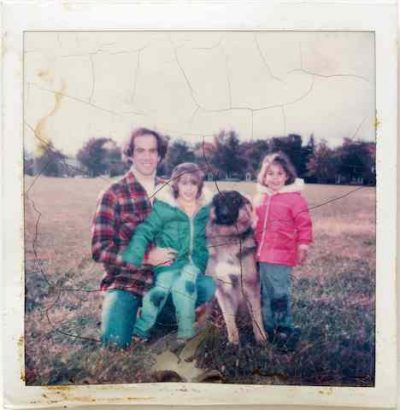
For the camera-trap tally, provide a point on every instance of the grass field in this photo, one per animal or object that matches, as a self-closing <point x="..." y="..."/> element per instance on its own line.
<point x="333" y="298"/>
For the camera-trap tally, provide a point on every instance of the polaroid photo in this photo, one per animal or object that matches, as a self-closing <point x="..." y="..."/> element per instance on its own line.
<point x="203" y="206"/>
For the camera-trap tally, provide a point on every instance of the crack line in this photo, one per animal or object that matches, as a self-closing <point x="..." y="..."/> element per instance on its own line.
<point x="228" y="79"/>
<point x="81" y="100"/>
<point x="191" y="90"/>
<point x="216" y="45"/>
<point x="93" y="77"/>
<point x="358" y="128"/>
<point x="284" y="120"/>
<point x="301" y="55"/>
<point x="267" y="66"/>
<point x="328" y="75"/>
<point x="136" y="77"/>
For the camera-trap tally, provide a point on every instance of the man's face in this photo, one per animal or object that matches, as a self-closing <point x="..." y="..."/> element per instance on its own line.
<point x="145" y="154"/>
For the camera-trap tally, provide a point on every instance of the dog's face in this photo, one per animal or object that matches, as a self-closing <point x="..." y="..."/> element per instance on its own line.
<point x="227" y="205"/>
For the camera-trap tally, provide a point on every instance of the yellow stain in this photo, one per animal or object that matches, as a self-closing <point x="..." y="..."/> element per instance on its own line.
<point x="40" y="131"/>
<point x="20" y="342"/>
<point x="20" y="345"/>
<point x="377" y="123"/>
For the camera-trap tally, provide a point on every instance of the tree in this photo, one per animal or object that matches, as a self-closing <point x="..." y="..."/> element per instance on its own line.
<point x="306" y="153"/>
<point x="227" y="158"/>
<point x="51" y="162"/>
<point x="356" y="161"/>
<point x="204" y="152"/>
<point x="100" y="156"/>
<point x="254" y="152"/>
<point x="291" y="145"/>
<point x="178" y="152"/>
<point x="29" y="163"/>
<point x="323" y="165"/>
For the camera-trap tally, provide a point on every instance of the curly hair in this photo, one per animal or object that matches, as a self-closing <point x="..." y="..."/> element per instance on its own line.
<point x="277" y="158"/>
<point x="162" y="143"/>
<point x="193" y="171"/>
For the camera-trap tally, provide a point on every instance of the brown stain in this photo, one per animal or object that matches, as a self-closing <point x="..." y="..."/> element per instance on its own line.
<point x="46" y="75"/>
<point x="40" y="130"/>
<point x="61" y="394"/>
<point x="20" y="342"/>
<point x="63" y="397"/>
<point x="60" y="389"/>
<point x="21" y="351"/>
<point x="327" y="391"/>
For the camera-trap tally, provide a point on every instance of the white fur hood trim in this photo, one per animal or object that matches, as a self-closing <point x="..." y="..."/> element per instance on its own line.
<point x="166" y="195"/>
<point x="296" y="186"/>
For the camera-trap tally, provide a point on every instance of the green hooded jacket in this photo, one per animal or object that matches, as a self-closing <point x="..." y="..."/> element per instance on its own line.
<point x="168" y="226"/>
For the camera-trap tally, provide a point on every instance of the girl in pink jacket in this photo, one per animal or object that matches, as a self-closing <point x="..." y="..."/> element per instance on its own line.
<point x="283" y="231"/>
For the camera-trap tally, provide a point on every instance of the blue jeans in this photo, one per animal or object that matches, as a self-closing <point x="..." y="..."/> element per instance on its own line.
<point x="275" y="293"/>
<point x="120" y="308"/>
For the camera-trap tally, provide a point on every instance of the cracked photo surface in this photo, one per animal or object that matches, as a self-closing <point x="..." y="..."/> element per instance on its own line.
<point x="200" y="206"/>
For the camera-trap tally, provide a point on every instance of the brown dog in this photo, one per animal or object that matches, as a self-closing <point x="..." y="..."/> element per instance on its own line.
<point x="232" y="261"/>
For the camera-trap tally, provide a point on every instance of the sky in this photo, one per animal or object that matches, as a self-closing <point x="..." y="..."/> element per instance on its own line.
<point x="193" y="84"/>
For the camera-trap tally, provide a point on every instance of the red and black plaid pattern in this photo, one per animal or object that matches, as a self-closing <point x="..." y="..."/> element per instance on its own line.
<point x="122" y="207"/>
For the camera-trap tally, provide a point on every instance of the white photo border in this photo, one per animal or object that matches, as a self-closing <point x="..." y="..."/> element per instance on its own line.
<point x="376" y="16"/>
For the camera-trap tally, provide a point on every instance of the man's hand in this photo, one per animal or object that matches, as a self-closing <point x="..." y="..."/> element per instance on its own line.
<point x="302" y="253"/>
<point x="161" y="256"/>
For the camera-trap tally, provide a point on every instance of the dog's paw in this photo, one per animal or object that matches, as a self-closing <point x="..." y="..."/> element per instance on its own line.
<point x="233" y="340"/>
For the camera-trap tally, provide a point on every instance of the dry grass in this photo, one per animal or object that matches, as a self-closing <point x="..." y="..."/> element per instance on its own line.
<point x="333" y="295"/>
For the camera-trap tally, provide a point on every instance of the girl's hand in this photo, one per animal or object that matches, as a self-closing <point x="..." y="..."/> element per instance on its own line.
<point x="302" y="253"/>
<point x="161" y="256"/>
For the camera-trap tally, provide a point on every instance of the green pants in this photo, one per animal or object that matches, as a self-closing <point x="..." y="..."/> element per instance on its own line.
<point x="181" y="284"/>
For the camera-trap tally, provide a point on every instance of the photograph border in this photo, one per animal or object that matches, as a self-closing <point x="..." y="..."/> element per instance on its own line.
<point x="177" y="15"/>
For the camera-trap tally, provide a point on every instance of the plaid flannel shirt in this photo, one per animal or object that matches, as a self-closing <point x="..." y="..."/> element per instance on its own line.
<point x="122" y="207"/>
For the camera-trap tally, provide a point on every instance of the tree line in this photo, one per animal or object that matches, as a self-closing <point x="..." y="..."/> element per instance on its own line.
<point x="226" y="158"/>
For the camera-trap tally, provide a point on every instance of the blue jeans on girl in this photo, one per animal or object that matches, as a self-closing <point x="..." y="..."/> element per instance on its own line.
<point x="275" y="291"/>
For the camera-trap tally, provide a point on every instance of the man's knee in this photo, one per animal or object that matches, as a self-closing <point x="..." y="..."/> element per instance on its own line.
<point x="206" y="288"/>
<point x="118" y="317"/>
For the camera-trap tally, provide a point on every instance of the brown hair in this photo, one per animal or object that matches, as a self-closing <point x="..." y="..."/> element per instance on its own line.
<point x="183" y="169"/>
<point x="277" y="158"/>
<point x="162" y="143"/>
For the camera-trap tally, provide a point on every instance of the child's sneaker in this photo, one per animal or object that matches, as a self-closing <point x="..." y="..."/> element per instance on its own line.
<point x="137" y="340"/>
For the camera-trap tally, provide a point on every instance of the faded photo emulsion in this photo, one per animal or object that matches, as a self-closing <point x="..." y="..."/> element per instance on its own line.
<point x="199" y="206"/>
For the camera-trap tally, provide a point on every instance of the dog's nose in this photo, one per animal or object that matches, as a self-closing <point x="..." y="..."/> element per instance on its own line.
<point x="227" y="217"/>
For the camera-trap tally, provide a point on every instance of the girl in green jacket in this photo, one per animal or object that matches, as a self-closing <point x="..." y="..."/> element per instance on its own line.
<point x="178" y="221"/>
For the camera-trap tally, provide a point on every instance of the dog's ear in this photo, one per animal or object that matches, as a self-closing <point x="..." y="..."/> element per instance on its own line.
<point x="245" y="214"/>
<point x="249" y="208"/>
<point x="247" y="198"/>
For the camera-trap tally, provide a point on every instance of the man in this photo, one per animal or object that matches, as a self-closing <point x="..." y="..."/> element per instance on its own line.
<point x="123" y="206"/>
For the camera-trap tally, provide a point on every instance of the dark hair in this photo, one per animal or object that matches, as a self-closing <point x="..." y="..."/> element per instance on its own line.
<point x="162" y="143"/>
<point x="277" y="158"/>
<point x="184" y="169"/>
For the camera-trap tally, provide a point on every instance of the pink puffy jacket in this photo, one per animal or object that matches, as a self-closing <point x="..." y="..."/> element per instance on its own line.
<point x="282" y="223"/>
